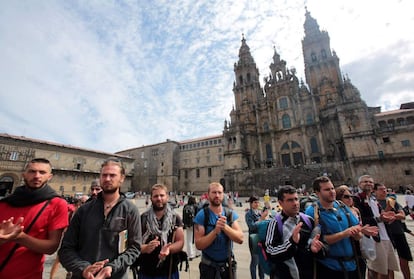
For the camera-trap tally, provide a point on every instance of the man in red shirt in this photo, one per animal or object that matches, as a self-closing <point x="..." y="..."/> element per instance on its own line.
<point x="22" y="249"/>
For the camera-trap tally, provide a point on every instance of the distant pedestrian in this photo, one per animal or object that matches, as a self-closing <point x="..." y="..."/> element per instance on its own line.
<point x="189" y="212"/>
<point x="95" y="188"/>
<point x="253" y="216"/>
<point x="409" y="202"/>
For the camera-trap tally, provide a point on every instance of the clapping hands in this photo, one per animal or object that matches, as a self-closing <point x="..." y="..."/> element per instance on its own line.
<point x="9" y="230"/>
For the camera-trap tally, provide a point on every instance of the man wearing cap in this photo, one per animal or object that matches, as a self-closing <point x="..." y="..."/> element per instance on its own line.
<point x="95" y="188"/>
<point x="253" y="217"/>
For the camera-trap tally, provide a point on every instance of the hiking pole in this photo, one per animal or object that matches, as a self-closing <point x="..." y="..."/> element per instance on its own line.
<point x="171" y="255"/>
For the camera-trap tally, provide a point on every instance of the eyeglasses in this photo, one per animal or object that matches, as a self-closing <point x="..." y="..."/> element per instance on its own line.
<point x="346" y="196"/>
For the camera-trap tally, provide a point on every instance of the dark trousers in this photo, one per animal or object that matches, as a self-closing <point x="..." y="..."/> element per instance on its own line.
<point x="322" y="272"/>
<point x="215" y="272"/>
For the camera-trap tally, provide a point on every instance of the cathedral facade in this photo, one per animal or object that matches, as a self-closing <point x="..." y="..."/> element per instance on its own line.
<point x="289" y="131"/>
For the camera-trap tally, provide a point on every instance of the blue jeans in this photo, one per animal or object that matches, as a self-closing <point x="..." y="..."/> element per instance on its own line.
<point x="254" y="262"/>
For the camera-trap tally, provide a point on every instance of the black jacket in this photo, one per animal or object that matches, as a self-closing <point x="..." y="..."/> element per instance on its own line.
<point x="91" y="237"/>
<point x="367" y="216"/>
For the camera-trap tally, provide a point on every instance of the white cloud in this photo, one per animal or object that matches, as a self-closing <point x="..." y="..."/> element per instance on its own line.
<point x="115" y="75"/>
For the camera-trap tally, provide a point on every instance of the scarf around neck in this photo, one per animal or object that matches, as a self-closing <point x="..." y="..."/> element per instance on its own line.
<point x="24" y="196"/>
<point x="153" y="228"/>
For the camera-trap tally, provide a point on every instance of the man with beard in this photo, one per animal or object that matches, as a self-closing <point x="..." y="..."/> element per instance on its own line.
<point x="216" y="228"/>
<point x="338" y="227"/>
<point x="371" y="213"/>
<point x="104" y="236"/>
<point x="34" y="219"/>
<point x="162" y="238"/>
<point x="95" y="189"/>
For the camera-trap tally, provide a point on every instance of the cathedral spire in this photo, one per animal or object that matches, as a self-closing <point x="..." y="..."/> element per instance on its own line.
<point x="276" y="56"/>
<point x="245" y="57"/>
<point x="322" y="70"/>
<point x="311" y="26"/>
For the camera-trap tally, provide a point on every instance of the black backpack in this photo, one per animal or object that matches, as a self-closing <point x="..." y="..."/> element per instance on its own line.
<point x="188" y="215"/>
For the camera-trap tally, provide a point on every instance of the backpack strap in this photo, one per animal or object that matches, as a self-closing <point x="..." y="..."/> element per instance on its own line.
<point x="7" y="259"/>
<point x="278" y="218"/>
<point x="316" y="213"/>
<point x="303" y="216"/>
<point x="306" y="219"/>
<point x="206" y="217"/>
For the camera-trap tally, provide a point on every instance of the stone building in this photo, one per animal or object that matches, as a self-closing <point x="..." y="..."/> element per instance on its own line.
<point x="287" y="131"/>
<point x="182" y="166"/>
<point x="73" y="168"/>
<point x="157" y="163"/>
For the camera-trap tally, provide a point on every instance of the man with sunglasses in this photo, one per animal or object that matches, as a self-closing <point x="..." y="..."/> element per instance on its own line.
<point x="372" y="214"/>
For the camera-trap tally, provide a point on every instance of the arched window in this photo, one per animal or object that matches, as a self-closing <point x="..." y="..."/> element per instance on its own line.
<point x="283" y="103"/>
<point x="241" y="79"/>
<point x="401" y="121"/>
<point x="266" y="127"/>
<point x="382" y="124"/>
<point x="295" y="144"/>
<point x="309" y="119"/>
<point x="313" y="56"/>
<point x="323" y="53"/>
<point x="248" y="77"/>
<point x="286" y="121"/>
<point x="291" y="155"/>
<point x="314" y="145"/>
<point x="391" y="123"/>
<point x="269" y="155"/>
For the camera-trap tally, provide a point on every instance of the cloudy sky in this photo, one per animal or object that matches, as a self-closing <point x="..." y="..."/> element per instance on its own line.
<point x="112" y="75"/>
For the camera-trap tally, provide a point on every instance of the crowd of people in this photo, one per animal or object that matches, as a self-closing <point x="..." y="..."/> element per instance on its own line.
<point x="104" y="234"/>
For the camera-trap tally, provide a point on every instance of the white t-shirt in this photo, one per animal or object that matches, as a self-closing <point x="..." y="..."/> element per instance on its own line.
<point x="409" y="199"/>
<point x="381" y="227"/>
